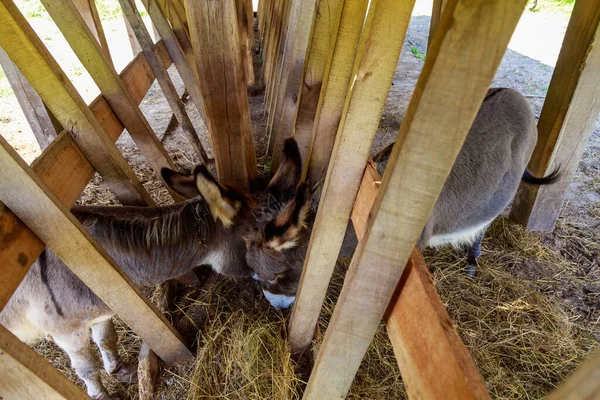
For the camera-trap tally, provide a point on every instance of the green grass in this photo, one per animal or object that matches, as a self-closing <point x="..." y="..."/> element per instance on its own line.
<point x="417" y="52"/>
<point x="552" y="6"/>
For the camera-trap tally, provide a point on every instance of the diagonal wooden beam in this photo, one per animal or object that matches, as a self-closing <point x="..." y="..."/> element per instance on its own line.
<point x="66" y="171"/>
<point x="26" y="375"/>
<point x="38" y="66"/>
<point x="466" y="51"/>
<point x="52" y="222"/>
<point x="567" y="120"/>
<point x="89" y="12"/>
<point x="374" y="67"/>
<point x="93" y="57"/>
<point x="162" y="76"/>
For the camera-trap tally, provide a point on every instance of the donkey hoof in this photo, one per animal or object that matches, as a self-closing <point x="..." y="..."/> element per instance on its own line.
<point x="471" y="270"/>
<point x="126" y="373"/>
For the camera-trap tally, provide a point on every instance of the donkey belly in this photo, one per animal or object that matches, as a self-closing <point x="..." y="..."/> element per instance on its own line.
<point x="458" y="238"/>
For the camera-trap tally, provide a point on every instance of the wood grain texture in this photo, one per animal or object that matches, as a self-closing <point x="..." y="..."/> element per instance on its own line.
<point x="89" y="12"/>
<point x="25" y="375"/>
<point x="66" y="171"/>
<point x="567" y="119"/>
<point x="433" y="361"/>
<point x="245" y="43"/>
<point x="215" y="40"/>
<point x="584" y="384"/>
<point x="299" y="30"/>
<point x="177" y="54"/>
<point x="436" y="14"/>
<point x="338" y="76"/>
<point x="52" y="222"/>
<point x="374" y="68"/>
<point x="93" y="57"/>
<point x="162" y="76"/>
<point x="31" y="104"/>
<point x="34" y="61"/>
<point x="470" y="41"/>
<point x="321" y="44"/>
<point x="175" y="13"/>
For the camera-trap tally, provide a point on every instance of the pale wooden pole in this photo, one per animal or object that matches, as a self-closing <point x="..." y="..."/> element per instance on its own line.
<point x="89" y="12"/>
<point x="458" y="70"/>
<point x="567" y="120"/>
<point x="584" y="384"/>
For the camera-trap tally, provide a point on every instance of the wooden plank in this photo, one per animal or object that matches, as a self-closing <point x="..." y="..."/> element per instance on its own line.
<point x="25" y="375"/>
<point x="374" y="68"/>
<point x="52" y="222"/>
<point x="567" y="120"/>
<point x="299" y="30"/>
<point x="215" y="36"/>
<point x="177" y="54"/>
<point x="338" y="76"/>
<point x="323" y="37"/>
<point x="34" y="61"/>
<point x="31" y="104"/>
<point x="101" y="69"/>
<point x="133" y="41"/>
<point x="436" y="13"/>
<point x="584" y="384"/>
<point x="277" y="57"/>
<point x="470" y="41"/>
<point x="245" y="44"/>
<point x="162" y="76"/>
<point x="88" y="11"/>
<point x="433" y="361"/>
<point x="175" y="13"/>
<point x="66" y="171"/>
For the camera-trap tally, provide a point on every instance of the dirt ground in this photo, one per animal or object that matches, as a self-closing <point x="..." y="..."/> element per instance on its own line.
<point x="566" y="277"/>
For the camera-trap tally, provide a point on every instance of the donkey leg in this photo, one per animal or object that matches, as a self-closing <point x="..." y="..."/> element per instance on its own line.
<point x="105" y="337"/>
<point x="83" y="360"/>
<point x="473" y="253"/>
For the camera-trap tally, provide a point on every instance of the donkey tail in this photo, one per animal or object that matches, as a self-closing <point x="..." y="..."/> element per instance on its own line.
<point x="546" y="180"/>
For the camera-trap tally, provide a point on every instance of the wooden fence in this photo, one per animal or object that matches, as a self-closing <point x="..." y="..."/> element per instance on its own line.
<point x="327" y="69"/>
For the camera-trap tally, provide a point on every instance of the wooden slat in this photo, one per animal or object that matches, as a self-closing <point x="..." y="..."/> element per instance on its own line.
<point x="52" y="222"/>
<point x="335" y="87"/>
<point x="584" y="384"/>
<point x="433" y="361"/>
<point x="468" y="47"/>
<point x="374" y="68"/>
<point x="162" y="76"/>
<point x="101" y="69"/>
<point x="175" y="13"/>
<point x="87" y="9"/>
<point x="25" y="375"/>
<point x="133" y="41"/>
<point x="65" y="170"/>
<point x="300" y="27"/>
<point x="436" y="13"/>
<point x="245" y="44"/>
<point x="43" y="73"/>
<point x="32" y="105"/>
<point x="323" y="37"/>
<point x="568" y="118"/>
<point x="176" y="53"/>
<point x="215" y="39"/>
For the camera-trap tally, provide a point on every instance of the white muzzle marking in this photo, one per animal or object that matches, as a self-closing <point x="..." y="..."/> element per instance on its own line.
<point x="279" y="301"/>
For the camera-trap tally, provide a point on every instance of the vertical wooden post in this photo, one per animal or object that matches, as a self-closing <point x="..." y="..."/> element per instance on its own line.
<point x="174" y="12"/>
<point x="52" y="222"/>
<point x="177" y="54"/>
<point x="43" y="73"/>
<point x="583" y="384"/>
<point x="32" y="105"/>
<point x="162" y="76"/>
<point x="215" y="39"/>
<point x="299" y="29"/>
<point x="374" y="69"/>
<point x="338" y="76"/>
<point x="472" y="37"/>
<point x="436" y="14"/>
<point x="568" y="118"/>
<point x="89" y="13"/>
<point x="245" y="43"/>
<point x="323" y="37"/>
<point x="26" y="375"/>
<point x="94" y="59"/>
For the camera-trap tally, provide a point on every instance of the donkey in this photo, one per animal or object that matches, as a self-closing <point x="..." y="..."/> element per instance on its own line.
<point x="482" y="183"/>
<point x="152" y="245"/>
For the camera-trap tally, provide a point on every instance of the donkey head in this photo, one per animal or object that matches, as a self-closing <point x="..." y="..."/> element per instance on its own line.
<point x="277" y="241"/>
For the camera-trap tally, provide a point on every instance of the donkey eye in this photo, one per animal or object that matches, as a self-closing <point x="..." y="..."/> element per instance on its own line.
<point x="274" y="280"/>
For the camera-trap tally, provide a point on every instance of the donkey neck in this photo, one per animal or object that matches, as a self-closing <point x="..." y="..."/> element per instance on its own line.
<point x="153" y="244"/>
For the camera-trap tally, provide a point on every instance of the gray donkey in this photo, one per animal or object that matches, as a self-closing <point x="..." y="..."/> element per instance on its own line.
<point x="152" y="245"/>
<point x="482" y="183"/>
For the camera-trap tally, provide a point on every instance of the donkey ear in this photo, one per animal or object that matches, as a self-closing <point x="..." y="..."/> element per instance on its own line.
<point x="288" y="174"/>
<point x="283" y="231"/>
<point x="185" y="185"/>
<point x="224" y="203"/>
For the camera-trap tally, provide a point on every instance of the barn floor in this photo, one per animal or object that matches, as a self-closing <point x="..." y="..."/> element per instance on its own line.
<point x="529" y="318"/>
